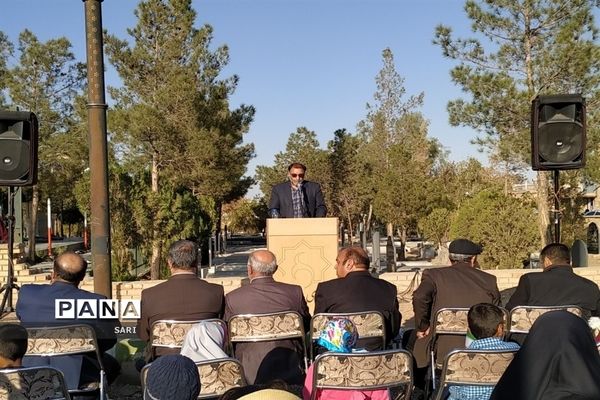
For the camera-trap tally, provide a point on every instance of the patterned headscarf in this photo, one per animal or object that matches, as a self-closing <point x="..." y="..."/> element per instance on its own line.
<point x="339" y="335"/>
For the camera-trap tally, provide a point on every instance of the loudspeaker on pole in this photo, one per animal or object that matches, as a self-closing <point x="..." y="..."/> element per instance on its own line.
<point x="558" y="132"/>
<point x="18" y="148"/>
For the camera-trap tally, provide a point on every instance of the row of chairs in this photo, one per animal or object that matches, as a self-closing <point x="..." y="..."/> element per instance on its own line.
<point x="331" y="370"/>
<point x="266" y="327"/>
<point x="476" y="367"/>
<point x="48" y="382"/>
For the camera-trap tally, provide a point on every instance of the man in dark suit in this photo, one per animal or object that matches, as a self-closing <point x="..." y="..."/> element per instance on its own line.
<point x="36" y="307"/>
<point x="557" y="284"/>
<point x="183" y="297"/>
<point x="266" y="361"/>
<point x="355" y="290"/>
<point x="462" y="284"/>
<point x="297" y="198"/>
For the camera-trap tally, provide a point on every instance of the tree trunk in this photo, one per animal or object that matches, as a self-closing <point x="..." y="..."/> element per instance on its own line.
<point x="402" y="252"/>
<point x="156" y="241"/>
<point x="543" y="208"/>
<point x="219" y="212"/>
<point x="32" y="227"/>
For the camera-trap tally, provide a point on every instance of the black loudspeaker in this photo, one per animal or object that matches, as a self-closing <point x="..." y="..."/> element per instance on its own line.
<point x="18" y="148"/>
<point x="558" y="132"/>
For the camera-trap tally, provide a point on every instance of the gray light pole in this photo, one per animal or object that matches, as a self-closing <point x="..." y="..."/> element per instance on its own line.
<point x="100" y="213"/>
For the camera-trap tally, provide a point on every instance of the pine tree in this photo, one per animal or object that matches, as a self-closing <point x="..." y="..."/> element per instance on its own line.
<point x="521" y="48"/>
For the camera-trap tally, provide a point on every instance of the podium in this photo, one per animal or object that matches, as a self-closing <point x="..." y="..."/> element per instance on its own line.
<point x="306" y="249"/>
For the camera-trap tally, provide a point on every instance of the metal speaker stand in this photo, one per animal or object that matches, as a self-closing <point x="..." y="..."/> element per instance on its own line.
<point x="7" y="299"/>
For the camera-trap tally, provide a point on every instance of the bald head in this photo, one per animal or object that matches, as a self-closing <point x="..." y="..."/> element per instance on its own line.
<point x="69" y="267"/>
<point x="261" y="263"/>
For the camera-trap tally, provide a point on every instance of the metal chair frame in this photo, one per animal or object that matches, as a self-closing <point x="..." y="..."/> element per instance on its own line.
<point x="436" y="331"/>
<point x="55" y="372"/>
<point x="474" y="382"/>
<point x="371" y="354"/>
<point x="153" y="346"/>
<point x="314" y="330"/>
<point x="579" y="313"/>
<point x="265" y="336"/>
<point x="32" y="332"/>
<point x="144" y="374"/>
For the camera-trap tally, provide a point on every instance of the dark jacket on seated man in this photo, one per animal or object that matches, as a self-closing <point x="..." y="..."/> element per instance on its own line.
<point x="36" y="308"/>
<point x="355" y="290"/>
<point x="183" y="297"/>
<point x="557" y="284"/>
<point x="269" y="360"/>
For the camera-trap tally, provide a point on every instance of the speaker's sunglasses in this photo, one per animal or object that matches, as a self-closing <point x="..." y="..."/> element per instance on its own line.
<point x="297" y="175"/>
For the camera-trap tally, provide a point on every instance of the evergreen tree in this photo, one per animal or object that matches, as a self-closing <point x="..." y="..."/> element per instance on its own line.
<point x="172" y="116"/>
<point x="521" y="49"/>
<point x="46" y="81"/>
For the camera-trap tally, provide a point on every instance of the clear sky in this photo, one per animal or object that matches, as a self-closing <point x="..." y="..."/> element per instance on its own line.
<point x="301" y="62"/>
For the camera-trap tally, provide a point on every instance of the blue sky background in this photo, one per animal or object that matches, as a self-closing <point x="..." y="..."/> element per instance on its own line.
<point x="301" y="62"/>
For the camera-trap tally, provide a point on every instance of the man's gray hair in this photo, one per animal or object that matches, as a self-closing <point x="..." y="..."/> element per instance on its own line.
<point x="183" y="254"/>
<point x="262" y="267"/>
<point x="455" y="257"/>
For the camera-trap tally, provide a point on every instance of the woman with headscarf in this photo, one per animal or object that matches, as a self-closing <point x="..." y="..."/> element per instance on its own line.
<point x="558" y="360"/>
<point x="204" y="341"/>
<point x="340" y="336"/>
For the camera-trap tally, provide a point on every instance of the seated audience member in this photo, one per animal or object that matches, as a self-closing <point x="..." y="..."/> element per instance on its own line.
<point x="172" y="377"/>
<point x="13" y="345"/>
<point x="183" y="297"/>
<point x="340" y="336"/>
<point x="558" y="361"/>
<point x="355" y="290"/>
<point x="204" y="341"/>
<point x="461" y="284"/>
<point x="278" y="359"/>
<point x="557" y="284"/>
<point x="35" y="308"/>
<point x="486" y="325"/>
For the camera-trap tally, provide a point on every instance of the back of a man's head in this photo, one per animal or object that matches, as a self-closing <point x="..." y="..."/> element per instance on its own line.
<point x="183" y="254"/>
<point x="484" y="319"/>
<point x="69" y="267"/>
<point x="358" y="255"/>
<point x="262" y="262"/>
<point x="13" y="345"/>
<point x="555" y="254"/>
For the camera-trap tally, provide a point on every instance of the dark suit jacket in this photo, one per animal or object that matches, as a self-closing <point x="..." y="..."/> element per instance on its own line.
<point x="459" y="285"/>
<point x="183" y="297"/>
<point x="265" y="361"/>
<point x="35" y="307"/>
<point x="281" y="200"/>
<point x="359" y="291"/>
<point x="557" y="285"/>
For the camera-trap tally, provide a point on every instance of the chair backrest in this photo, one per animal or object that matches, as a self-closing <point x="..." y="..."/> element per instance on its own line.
<point x="216" y="376"/>
<point x="452" y="321"/>
<point x="267" y="327"/>
<point x="473" y="367"/>
<point x="171" y="333"/>
<point x="62" y="340"/>
<point x="375" y="370"/>
<point x="522" y="317"/>
<point x="369" y="324"/>
<point x="51" y="341"/>
<point x="33" y="383"/>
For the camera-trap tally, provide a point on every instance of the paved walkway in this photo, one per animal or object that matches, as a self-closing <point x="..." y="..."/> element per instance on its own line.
<point x="233" y="262"/>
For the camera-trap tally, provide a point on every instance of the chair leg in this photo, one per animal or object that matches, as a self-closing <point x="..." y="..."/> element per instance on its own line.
<point x="103" y="395"/>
